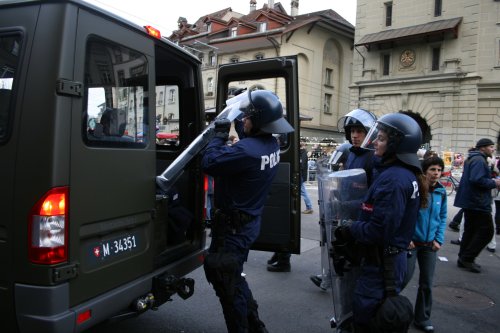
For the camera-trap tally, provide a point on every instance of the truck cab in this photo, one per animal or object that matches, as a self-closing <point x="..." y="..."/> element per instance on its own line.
<point x="92" y="109"/>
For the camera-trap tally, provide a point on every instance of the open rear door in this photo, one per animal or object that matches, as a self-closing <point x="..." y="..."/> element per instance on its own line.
<point x="280" y="229"/>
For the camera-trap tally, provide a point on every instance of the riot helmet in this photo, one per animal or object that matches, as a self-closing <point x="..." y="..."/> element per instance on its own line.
<point x="339" y="156"/>
<point x="356" y="118"/>
<point x="404" y="137"/>
<point x="264" y="108"/>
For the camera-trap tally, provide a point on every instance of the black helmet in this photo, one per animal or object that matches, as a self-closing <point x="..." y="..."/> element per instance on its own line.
<point x="266" y="112"/>
<point x="405" y="137"/>
<point x="357" y="117"/>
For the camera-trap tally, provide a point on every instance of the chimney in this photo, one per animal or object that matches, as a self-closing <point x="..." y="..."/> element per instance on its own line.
<point x="271" y="4"/>
<point x="295" y="8"/>
<point x="253" y="5"/>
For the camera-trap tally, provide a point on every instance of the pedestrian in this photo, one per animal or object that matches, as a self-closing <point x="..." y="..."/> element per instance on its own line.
<point x="243" y="174"/>
<point x="280" y="261"/>
<point x="303" y="175"/>
<point x="455" y="223"/>
<point x="497" y="204"/>
<point x="388" y="218"/>
<point x="355" y="125"/>
<point x="427" y="240"/>
<point x="474" y="196"/>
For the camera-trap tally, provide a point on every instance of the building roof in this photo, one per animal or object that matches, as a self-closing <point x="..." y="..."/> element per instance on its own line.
<point x="227" y="19"/>
<point x="416" y="31"/>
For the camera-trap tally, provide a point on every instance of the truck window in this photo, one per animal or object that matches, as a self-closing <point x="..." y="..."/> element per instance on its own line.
<point x="167" y="115"/>
<point x="116" y="91"/>
<point x="9" y="56"/>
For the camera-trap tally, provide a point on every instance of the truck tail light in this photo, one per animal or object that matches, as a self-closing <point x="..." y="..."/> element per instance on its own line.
<point x="48" y="228"/>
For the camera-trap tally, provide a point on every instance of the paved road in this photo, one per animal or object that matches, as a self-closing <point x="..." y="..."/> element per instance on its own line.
<point x="289" y="302"/>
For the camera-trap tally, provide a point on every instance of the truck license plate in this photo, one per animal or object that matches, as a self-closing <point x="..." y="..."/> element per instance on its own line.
<point x="115" y="247"/>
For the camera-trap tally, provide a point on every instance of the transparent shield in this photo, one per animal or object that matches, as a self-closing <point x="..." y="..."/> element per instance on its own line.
<point x="340" y="197"/>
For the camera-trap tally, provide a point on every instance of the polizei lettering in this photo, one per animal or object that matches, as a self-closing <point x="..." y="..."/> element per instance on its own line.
<point x="272" y="160"/>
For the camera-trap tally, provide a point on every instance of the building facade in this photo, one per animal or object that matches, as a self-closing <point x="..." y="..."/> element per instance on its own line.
<point x="436" y="60"/>
<point x="321" y="40"/>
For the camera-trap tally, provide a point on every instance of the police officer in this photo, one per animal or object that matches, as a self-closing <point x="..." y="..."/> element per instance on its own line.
<point x="243" y="174"/>
<point x="389" y="214"/>
<point x="355" y="125"/>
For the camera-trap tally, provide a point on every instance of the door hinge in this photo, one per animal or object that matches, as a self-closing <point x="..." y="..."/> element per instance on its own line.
<point x="64" y="273"/>
<point x="67" y="87"/>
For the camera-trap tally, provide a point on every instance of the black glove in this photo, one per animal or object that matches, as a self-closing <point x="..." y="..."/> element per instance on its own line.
<point x="345" y="249"/>
<point x="222" y="127"/>
<point x="343" y="234"/>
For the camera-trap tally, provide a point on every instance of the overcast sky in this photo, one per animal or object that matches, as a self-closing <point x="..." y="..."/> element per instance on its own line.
<point x="164" y="14"/>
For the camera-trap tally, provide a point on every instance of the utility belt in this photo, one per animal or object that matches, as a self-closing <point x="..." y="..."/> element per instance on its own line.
<point x="373" y="255"/>
<point x="234" y="219"/>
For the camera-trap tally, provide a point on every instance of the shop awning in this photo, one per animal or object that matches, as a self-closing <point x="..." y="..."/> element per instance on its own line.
<point x="421" y="31"/>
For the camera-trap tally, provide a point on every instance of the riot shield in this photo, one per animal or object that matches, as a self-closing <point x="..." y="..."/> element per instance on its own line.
<point x="340" y="197"/>
<point x="175" y="169"/>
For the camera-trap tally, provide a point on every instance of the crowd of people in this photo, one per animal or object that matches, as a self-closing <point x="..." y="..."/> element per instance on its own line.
<point x="399" y="222"/>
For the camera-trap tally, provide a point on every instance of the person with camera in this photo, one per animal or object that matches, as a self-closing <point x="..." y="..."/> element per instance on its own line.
<point x="243" y="174"/>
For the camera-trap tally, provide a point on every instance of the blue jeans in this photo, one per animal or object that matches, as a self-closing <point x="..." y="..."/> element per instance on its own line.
<point x="426" y="263"/>
<point x="305" y="196"/>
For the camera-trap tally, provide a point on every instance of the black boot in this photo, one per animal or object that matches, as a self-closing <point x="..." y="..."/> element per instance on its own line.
<point x="279" y="267"/>
<point x="273" y="259"/>
<point x="255" y="325"/>
<point x="282" y="263"/>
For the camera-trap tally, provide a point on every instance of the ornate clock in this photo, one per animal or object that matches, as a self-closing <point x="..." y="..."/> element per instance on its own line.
<point x="407" y="58"/>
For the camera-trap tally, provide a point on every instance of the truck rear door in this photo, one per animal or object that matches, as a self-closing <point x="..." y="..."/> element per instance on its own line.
<point x="280" y="228"/>
<point x="112" y="161"/>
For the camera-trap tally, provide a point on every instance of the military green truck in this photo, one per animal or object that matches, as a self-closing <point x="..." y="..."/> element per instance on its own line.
<point x="93" y="109"/>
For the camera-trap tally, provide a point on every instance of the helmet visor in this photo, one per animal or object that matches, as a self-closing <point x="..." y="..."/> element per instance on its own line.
<point x="370" y="138"/>
<point x="357" y="117"/>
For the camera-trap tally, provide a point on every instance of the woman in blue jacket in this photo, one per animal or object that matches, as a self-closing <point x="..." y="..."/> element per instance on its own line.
<point x="427" y="240"/>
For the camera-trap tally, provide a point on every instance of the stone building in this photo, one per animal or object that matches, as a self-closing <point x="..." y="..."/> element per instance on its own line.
<point x="323" y="42"/>
<point x="438" y="61"/>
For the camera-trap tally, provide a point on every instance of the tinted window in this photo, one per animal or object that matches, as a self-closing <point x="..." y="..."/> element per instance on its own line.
<point x="116" y="82"/>
<point x="9" y="56"/>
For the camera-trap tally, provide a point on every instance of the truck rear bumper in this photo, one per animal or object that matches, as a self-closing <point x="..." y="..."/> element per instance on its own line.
<point x="46" y="309"/>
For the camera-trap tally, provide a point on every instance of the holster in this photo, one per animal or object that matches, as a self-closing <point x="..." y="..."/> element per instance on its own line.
<point x="235" y="219"/>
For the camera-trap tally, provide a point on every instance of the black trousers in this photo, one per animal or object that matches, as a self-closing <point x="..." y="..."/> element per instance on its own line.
<point x="457" y="219"/>
<point x="478" y="231"/>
